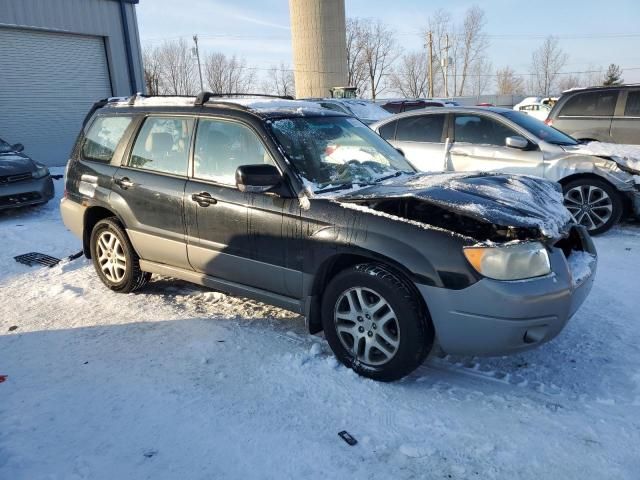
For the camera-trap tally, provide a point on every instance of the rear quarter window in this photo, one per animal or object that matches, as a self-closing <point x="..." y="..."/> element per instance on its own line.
<point x="103" y="137"/>
<point x="632" y="108"/>
<point x="591" y="104"/>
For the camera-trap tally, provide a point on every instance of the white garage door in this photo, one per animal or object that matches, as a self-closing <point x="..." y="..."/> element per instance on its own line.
<point x="48" y="82"/>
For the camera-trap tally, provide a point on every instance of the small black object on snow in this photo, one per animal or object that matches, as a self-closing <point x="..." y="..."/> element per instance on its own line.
<point x="346" y="436"/>
<point x="150" y="453"/>
<point x="57" y="177"/>
<point x="36" y="258"/>
<point x="13" y="327"/>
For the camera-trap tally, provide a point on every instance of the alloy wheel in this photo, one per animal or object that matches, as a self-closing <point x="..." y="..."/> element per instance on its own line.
<point x="367" y="326"/>
<point x="111" y="257"/>
<point x="589" y="205"/>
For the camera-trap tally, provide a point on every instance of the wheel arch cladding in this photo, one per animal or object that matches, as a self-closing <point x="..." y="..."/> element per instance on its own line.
<point x="91" y="217"/>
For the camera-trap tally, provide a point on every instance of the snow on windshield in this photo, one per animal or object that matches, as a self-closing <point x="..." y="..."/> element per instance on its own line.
<point x="331" y="151"/>
<point x="626" y="155"/>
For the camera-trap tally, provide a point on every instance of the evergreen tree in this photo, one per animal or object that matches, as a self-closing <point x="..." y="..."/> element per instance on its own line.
<point x="613" y="75"/>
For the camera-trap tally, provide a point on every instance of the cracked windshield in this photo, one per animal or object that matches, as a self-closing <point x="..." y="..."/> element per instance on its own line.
<point x="338" y="152"/>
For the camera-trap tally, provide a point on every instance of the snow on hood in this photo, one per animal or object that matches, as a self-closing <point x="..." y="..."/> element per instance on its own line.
<point x="505" y="200"/>
<point x="626" y="155"/>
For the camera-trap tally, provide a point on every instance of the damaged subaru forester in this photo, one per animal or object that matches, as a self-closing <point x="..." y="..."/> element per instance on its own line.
<point x="310" y="210"/>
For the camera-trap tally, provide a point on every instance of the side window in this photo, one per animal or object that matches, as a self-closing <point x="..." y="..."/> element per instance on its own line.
<point x="632" y="109"/>
<point x="420" y="128"/>
<point x="103" y="137"/>
<point x="591" y="104"/>
<point x="222" y="146"/>
<point x="481" y="130"/>
<point x="388" y="131"/>
<point x="163" y="145"/>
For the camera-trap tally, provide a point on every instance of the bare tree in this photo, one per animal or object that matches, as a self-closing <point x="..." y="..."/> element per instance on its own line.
<point x="410" y="77"/>
<point x="152" y="70"/>
<point x="228" y="74"/>
<point x="570" y="81"/>
<point x="356" y="67"/>
<point x="177" y="68"/>
<point x="546" y="63"/>
<point x="481" y="75"/>
<point x="472" y="43"/>
<point x="594" y="75"/>
<point x="508" y="83"/>
<point x="442" y="34"/>
<point x="379" y="53"/>
<point x="279" y="81"/>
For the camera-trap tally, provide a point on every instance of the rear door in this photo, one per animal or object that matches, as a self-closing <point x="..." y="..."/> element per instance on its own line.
<point x="625" y="127"/>
<point x="148" y="189"/>
<point x="479" y="145"/>
<point x="422" y="140"/>
<point x="233" y="235"/>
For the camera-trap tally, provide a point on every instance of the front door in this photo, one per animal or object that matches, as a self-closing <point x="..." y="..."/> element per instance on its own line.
<point x="479" y="145"/>
<point x="149" y="189"/>
<point x="233" y="235"/>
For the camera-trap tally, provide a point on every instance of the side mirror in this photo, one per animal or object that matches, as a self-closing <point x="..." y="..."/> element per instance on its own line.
<point x="18" y="147"/>
<point x="516" y="141"/>
<point x="257" y="178"/>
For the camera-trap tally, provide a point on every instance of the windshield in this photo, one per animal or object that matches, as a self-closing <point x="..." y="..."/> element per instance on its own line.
<point x="4" y="147"/>
<point x="540" y="129"/>
<point x="332" y="151"/>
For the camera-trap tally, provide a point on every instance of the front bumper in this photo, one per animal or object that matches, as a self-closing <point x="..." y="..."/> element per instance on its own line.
<point x="27" y="192"/>
<point x="495" y="317"/>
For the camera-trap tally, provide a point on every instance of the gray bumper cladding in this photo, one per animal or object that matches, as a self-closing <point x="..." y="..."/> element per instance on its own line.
<point x="28" y="192"/>
<point x="495" y="317"/>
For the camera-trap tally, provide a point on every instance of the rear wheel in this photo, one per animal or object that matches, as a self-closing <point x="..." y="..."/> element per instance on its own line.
<point x="593" y="203"/>
<point x="114" y="258"/>
<point x="374" y="323"/>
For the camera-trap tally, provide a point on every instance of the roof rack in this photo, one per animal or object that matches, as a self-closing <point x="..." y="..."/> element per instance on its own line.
<point x="204" y="97"/>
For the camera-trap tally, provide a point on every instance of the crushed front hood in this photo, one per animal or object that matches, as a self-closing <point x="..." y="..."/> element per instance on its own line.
<point x="505" y="200"/>
<point x="14" y="164"/>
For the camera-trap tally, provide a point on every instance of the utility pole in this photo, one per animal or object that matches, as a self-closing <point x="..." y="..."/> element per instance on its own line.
<point x="195" y="40"/>
<point x="430" y="43"/>
<point x="445" y="65"/>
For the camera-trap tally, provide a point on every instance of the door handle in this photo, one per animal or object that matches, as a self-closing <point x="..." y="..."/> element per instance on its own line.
<point x="204" y="199"/>
<point x="124" y="183"/>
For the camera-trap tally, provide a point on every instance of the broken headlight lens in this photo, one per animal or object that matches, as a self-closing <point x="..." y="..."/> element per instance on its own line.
<point x="510" y="262"/>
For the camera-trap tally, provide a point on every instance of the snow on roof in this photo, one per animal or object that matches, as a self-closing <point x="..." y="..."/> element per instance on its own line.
<point x="366" y="110"/>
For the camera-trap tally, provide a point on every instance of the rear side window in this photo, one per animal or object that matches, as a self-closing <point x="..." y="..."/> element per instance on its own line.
<point x="591" y="104"/>
<point x="632" y="109"/>
<point x="221" y="147"/>
<point x="103" y="137"/>
<point x="163" y="145"/>
<point x="388" y="131"/>
<point x="422" y="128"/>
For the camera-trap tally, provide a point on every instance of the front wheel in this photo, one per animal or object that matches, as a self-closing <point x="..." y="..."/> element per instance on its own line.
<point x="374" y="323"/>
<point x="593" y="203"/>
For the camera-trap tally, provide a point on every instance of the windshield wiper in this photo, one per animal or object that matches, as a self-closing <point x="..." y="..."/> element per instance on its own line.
<point x="393" y="175"/>
<point x="333" y="188"/>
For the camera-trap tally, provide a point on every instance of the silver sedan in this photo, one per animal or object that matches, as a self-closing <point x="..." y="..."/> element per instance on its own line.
<point x="597" y="190"/>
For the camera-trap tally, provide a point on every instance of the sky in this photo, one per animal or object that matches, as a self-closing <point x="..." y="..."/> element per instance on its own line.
<point x="593" y="36"/>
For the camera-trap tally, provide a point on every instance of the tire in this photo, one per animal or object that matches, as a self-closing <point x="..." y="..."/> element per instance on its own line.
<point x="114" y="259"/>
<point x="593" y="203"/>
<point x="401" y="320"/>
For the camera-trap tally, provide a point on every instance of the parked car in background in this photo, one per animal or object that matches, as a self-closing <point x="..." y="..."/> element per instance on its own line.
<point x="366" y="111"/>
<point x="243" y="197"/>
<point x="605" y="114"/>
<point x="23" y="182"/>
<point x="407" y="105"/>
<point x="537" y="110"/>
<point x="597" y="189"/>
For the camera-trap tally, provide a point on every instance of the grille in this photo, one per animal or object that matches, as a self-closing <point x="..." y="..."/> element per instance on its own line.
<point x="19" y="198"/>
<point x="15" y="178"/>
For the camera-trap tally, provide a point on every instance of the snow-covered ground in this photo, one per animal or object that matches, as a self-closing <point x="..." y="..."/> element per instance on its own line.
<point x="179" y="382"/>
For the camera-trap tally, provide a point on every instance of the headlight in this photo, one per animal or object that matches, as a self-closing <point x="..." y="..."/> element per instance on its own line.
<point x="510" y="262"/>
<point x="42" y="171"/>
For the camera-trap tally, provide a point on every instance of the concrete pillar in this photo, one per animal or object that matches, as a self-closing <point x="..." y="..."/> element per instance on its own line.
<point x="318" y="34"/>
